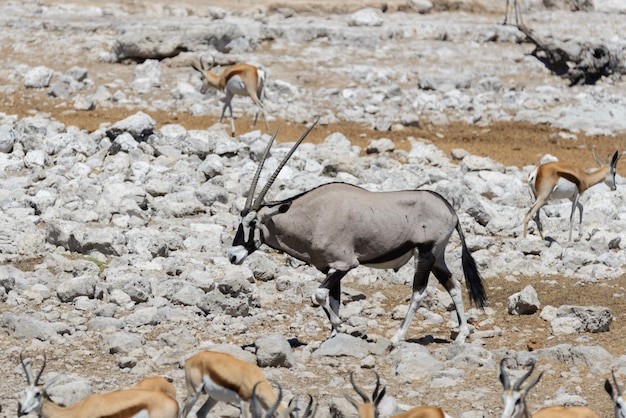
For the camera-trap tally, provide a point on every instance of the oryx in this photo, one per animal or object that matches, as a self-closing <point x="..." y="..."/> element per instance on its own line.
<point x="337" y="227"/>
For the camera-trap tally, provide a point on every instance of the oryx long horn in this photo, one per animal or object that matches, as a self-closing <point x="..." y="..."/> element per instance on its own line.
<point x="257" y="174"/>
<point x="522" y="379"/>
<point x="27" y="370"/>
<point x="358" y="390"/>
<point x="259" y="200"/>
<point x="617" y="388"/>
<point x="504" y="378"/>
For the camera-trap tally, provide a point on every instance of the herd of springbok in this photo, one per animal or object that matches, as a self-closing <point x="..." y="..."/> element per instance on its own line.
<point x="335" y="228"/>
<point x="224" y="377"/>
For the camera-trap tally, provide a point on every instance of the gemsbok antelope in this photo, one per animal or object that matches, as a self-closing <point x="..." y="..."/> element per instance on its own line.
<point x="337" y="227"/>
<point x="369" y="407"/>
<point x="514" y="399"/>
<point x="226" y="378"/>
<point x="238" y="79"/>
<point x="616" y="397"/>
<point x="120" y="403"/>
<point x="557" y="180"/>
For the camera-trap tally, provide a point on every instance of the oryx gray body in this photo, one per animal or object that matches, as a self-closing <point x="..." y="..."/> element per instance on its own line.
<point x="337" y="227"/>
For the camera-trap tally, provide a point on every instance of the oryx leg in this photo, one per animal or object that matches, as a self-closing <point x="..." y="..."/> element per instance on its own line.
<point x="444" y="276"/>
<point x="423" y="265"/>
<point x="328" y="295"/>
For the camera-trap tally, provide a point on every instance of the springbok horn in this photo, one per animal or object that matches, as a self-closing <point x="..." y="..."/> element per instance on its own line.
<point x="255" y="180"/>
<point x="270" y="412"/>
<point x="358" y="390"/>
<point x="504" y="378"/>
<point x="43" y="366"/>
<point x="259" y="200"/>
<point x="256" y="406"/>
<point x="310" y="409"/>
<point x="27" y="370"/>
<point x="598" y="160"/>
<point x="202" y="75"/>
<point x="617" y="388"/>
<point x="202" y="62"/>
<point x="521" y="380"/>
<point x="375" y="395"/>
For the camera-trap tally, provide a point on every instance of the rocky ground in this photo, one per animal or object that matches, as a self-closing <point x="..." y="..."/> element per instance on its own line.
<point x="113" y="263"/>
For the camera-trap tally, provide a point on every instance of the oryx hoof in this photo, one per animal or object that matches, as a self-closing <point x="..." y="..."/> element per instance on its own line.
<point x="340" y="327"/>
<point x="462" y="334"/>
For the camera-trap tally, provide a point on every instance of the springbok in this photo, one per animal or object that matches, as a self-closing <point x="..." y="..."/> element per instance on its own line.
<point x="309" y="410"/>
<point x="557" y="180"/>
<point x="516" y="11"/>
<point x="514" y="399"/>
<point x="158" y="383"/>
<point x="238" y="79"/>
<point x="369" y="407"/>
<point x="337" y="227"/>
<point x="616" y="397"/>
<point x="120" y="403"/>
<point x="226" y="378"/>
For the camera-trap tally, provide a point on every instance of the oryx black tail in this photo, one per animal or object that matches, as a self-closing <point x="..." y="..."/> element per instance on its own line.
<point x="473" y="281"/>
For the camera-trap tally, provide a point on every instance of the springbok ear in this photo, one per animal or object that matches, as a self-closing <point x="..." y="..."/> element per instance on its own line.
<point x="609" y="388"/>
<point x="615" y="158"/>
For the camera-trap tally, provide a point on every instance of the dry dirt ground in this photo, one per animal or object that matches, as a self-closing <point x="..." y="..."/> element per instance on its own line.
<point x="513" y="144"/>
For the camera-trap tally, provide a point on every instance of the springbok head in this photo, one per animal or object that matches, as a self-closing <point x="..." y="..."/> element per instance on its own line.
<point x="514" y="398"/>
<point x="201" y="71"/>
<point x="618" y="401"/>
<point x="248" y="238"/>
<point x="32" y="398"/>
<point x="369" y="407"/>
<point x="609" y="180"/>
<point x="309" y="411"/>
<point x="256" y="409"/>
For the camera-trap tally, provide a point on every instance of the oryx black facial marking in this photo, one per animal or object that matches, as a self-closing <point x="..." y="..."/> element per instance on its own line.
<point x="336" y="227"/>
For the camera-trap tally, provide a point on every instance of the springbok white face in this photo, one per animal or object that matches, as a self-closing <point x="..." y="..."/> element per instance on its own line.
<point x="30" y="401"/>
<point x="247" y="239"/>
<point x="514" y="398"/>
<point x="32" y="397"/>
<point x="513" y="404"/>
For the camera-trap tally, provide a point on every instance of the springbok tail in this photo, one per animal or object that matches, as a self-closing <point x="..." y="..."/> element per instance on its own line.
<point x="473" y="281"/>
